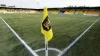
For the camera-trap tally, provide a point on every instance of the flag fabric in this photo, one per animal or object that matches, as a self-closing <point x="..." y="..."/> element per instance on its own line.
<point x="46" y="28"/>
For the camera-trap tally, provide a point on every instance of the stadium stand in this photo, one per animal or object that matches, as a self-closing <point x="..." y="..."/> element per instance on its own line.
<point x="67" y="10"/>
<point x="93" y="12"/>
<point x="54" y="11"/>
<point x="16" y="10"/>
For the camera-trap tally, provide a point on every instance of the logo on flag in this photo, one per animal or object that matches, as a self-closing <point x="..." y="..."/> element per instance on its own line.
<point x="46" y="24"/>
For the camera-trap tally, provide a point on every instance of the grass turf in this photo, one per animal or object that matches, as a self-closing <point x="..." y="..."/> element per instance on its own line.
<point x="89" y="44"/>
<point x="65" y="27"/>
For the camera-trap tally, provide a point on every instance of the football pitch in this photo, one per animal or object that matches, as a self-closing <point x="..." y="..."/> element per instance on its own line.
<point x="65" y="28"/>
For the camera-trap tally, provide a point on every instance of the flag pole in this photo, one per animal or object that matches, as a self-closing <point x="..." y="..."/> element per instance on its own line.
<point x="46" y="47"/>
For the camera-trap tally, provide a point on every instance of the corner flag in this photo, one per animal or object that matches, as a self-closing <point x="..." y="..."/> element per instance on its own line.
<point x="46" y="28"/>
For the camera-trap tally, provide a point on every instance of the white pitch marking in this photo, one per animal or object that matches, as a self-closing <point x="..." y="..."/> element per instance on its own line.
<point x="80" y="36"/>
<point x="55" y="49"/>
<point x="22" y="41"/>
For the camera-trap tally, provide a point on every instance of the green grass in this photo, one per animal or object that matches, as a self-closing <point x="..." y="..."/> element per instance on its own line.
<point x="89" y="44"/>
<point x="65" y="27"/>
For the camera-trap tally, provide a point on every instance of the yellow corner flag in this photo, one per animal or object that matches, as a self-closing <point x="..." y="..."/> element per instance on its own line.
<point x="46" y="28"/>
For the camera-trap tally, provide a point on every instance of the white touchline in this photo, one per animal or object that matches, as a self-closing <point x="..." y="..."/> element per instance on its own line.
<point x="55" y="49"/>
<point x="80" y="36"/>
<point x="22" y="41"/>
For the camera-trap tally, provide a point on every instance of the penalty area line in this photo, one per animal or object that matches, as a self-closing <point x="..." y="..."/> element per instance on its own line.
<point x="80" y="36"/>
<point x="21" y="40"/>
